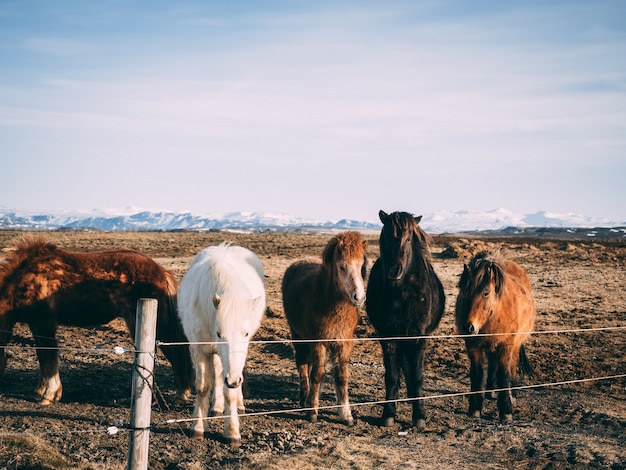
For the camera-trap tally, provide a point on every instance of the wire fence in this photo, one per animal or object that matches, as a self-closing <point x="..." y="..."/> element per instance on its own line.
<point x="119" y="425"/>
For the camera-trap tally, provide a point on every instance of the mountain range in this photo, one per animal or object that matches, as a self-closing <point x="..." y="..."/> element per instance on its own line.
<point x="132" y="219"/>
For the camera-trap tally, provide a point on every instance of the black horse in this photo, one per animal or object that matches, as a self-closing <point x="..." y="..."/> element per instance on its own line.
<point x="404" y="298"/>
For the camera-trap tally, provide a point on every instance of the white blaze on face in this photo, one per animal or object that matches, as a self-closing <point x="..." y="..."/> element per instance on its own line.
<point x="233" y="336"/>
<point x="352" y="281"/>
<point x="233" y="349"/>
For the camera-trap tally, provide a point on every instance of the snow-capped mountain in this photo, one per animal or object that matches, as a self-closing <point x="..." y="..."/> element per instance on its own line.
<point x="136" y="219"/>
<point x="125" y="220"/>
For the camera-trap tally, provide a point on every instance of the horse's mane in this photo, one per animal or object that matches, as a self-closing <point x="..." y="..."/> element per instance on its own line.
<point x="407" y="222"/>
<point x="482" y="268"/>
<point x="25" y="247"/>
<point x="350" y="243"/>
<point x="225" y="268"/>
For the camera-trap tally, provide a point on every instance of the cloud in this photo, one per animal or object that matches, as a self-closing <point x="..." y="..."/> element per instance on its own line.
<point x="431" y="90"/>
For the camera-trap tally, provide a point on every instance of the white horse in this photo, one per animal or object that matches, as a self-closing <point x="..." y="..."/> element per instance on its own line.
<point x="221" y="301"/>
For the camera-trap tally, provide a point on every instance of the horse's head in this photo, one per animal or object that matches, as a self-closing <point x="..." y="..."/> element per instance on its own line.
<point x="400" y="237"/>
<point x="344" y="257"/>
<point x="480" y="287"/>
<point x="234" y="327"/>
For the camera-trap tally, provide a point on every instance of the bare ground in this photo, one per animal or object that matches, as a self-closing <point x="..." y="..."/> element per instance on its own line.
<point x="578" y="284"/>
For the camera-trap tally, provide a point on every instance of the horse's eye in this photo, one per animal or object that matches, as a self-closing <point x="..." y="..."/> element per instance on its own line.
<point x="246" y="334"/>
<point x="486" y="293"/>
<point x="342" y="268"/>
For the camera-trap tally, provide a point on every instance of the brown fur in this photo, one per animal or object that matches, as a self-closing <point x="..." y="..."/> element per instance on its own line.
<point x="494" y="298"/>
<point x="44" y="286"/>
<point x="317" y="306"/>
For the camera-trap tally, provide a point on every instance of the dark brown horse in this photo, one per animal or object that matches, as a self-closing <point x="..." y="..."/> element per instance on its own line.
<point x="43" y="286"/>
<point x="404" y="299"/>
<point x="494" y="298"/>
<point x="321" y="300"/>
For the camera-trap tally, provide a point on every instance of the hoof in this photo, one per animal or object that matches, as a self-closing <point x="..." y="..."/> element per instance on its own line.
<point x="420" y="424"/>
<point x="474" y="414"/>
<point x="349" y="422"/>
<point x="196" y="434"/>
<point x="507" y="418"/>
<point x="234" y="443"/>
<point x="388" y="422"/>
<point x="182" y="398"/>
<point x="312" y="418"/>
<point x="180" y="401"/>
<point x="45" y="402"/>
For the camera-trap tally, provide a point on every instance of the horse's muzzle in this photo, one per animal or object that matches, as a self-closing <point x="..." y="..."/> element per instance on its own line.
<point x="471" y="329"/>
<point x="356" y="300"/>
<point x="233" y="384"/>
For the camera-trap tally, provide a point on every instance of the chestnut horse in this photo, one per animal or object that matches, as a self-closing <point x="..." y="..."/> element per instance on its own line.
<point x="321" y="300"/>
<point x="221" y="302"/>
<point x="44" y="286"/>
<point x="494" y="298"/>
<point x="404" y="299"/>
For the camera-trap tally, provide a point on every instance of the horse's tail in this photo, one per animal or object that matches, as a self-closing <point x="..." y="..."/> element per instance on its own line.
<point x="524" y="364"/>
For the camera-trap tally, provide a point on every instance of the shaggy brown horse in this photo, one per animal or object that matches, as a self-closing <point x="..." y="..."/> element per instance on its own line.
<point x="43" y="286"/>
<point x="494" y="299"/>
<point x="321" y="300"/>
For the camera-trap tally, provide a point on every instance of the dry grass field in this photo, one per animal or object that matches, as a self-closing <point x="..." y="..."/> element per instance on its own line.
<point x="578" y="284"/>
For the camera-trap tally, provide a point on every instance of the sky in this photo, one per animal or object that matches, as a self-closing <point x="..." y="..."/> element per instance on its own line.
<point x="323" y="110"/>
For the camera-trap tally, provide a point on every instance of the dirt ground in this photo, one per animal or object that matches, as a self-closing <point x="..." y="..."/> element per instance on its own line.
<point x="578" y="284"/>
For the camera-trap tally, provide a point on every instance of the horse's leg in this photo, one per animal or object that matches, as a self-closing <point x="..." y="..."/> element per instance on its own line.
<point x="491" y="382"/>
<point x="392" y="379"/>
<point x="217" y="380"/>
<point x="477" y="359"/>
<point x="342" y="375"/>
<point x="303" y="351"/>
<point x="203" y="366"/>
<point x="240" y="405"/>
<point x="415" y="379"/>
<point x="503" y="378"/>
<point x="50" y="388"/>
<point x="6" y="331"/>
<point x="318" y="363"/>
<point x="231" y="424"/>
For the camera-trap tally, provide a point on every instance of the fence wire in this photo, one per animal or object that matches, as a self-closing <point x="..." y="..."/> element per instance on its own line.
<point x="119" y="350"/>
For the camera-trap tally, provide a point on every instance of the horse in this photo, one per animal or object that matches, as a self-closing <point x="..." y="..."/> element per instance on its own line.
<point x="321" y="300"/>
<point x="494" y="299"/>
<point x="405" y="298"/>
<point x="45" y="286"/>
<point x="221" y="303"/>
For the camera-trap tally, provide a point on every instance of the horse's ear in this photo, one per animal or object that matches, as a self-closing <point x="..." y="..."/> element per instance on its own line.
<point x="464" y="276"/>
<point x="418" y="219"/>
<point x="383" y="216"/>
<point x="216" y="300"/>
<point x="327" y="255"/>
<point x="498" y="277"/>
<point x="364" y="244"/>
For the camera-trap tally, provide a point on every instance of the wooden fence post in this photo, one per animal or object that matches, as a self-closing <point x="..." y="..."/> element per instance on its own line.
<point x="141" y="398"/>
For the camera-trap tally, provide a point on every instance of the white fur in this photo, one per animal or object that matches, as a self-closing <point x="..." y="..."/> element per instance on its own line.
<point x="223" y="292"/>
